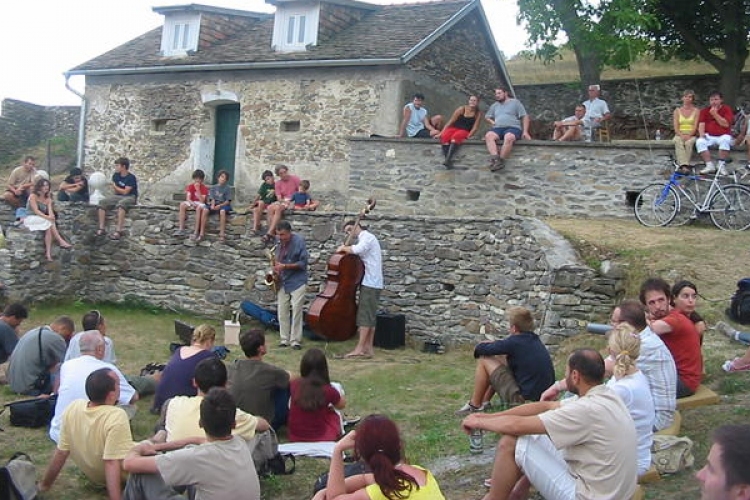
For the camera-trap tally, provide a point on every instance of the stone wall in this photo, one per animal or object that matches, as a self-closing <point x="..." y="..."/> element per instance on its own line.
<point x="24" y="125"/>
<point x="632" y="102"/>
<point x="448" y="276"/>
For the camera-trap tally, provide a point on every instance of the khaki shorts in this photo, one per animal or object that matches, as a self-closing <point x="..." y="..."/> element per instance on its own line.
<point x="505" y="385"/>
<point x="112" y="201"/>
<point x="369" y="298"/>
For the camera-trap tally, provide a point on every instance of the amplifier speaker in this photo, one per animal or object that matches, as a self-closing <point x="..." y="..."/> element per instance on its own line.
<point x="390" y="331"/>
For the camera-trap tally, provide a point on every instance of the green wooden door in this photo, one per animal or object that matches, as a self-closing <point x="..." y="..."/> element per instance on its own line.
<point x="227" y="120"/>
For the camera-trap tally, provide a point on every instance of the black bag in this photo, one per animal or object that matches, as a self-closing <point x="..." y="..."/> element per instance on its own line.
<point x="268" y="461"/>
<point x="37" y="412"/>
<point x="18" y="478"/>
<point x="739" y="308"/>
<point x="352" y="469"/>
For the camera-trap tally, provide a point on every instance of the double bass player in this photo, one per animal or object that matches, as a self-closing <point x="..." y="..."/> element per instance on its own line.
<point x="291" y="269"/>
<point x="367" y="248"/>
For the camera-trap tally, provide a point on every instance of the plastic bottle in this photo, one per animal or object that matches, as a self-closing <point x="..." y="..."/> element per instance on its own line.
<point x="587" y="133"/>
<point x="476" y="441"/>
<point x="658" y="134"/>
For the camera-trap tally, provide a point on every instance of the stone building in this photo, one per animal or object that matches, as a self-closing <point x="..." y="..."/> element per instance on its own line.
<point x="217" y="88"/>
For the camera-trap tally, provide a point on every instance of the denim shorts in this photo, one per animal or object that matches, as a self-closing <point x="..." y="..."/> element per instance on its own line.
<point x="501" y="131"/>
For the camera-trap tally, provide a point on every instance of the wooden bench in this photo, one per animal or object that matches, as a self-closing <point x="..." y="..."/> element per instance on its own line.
<point x="650" y="476"/>
<point x="640" y="493"/>
<point x="702" y="397"/>
<point x="674" y="429"/>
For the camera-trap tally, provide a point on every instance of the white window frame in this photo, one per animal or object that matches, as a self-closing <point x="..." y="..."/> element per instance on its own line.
<point x="295" y="27"/>
<point x="180" y="34"/>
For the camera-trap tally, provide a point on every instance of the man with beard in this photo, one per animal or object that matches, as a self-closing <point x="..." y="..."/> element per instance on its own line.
<point x="726" y="475"/>
<point x="509" y="122"/>
<point x="575" y="449"/>
<point x="677" y="332"/>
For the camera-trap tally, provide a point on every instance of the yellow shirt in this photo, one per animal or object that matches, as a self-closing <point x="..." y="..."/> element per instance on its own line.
<point x="430" y="491"/>
<point x="94" y="434"/>
<point x="686" y="123"/>
<point x="183" y="414"/>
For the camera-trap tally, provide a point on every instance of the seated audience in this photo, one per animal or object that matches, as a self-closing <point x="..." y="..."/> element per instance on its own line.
<point x="684" y="297"/>
<point x="20" y="182"/>
<point x="35" y="362"/>
<point x="597" y="111"/>
<point x="265" y="197"/>
<point x="220" y="468"/>
<point x="196" y="194"/>
<point x="570" y="128"/>
<point x="180" y="415"/>
<point x="685" y="122"/>
<point x="75" y="187"/>
<point x="678" y="333"/>
<point x="573" y="449"/>
<point x="509" y="122"/>
<point x="41" y="216"/>
<point x="631" y="385"/>
<point x="10" y="319"/>
<point x="259" y="388"/>
<point x="95" y="434"/>
<point x="518" y="367"/>
<point x="219" y="202"/>
<point x="124" y="197"/>
<point x="726" y="475"/>
<point x="301" y="200"/>
<point x="177" y="377"/>
<point x="417" y="122"/>
<point x="714" y="129"/>
<point x="75" y="372"/>
<point x="313" y="402"/>
<point x="741" y="363"/>
<point x="462" y="125"/>
<point x="378" y="443"/>
<point x="284" y="188"/>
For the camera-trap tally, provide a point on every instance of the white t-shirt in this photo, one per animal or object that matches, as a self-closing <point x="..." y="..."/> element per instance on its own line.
<point x="636" y="394"/>
<point x="368" y="249"/>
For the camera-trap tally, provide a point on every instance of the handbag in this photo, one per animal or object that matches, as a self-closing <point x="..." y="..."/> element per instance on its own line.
<point x="36" y="412"/>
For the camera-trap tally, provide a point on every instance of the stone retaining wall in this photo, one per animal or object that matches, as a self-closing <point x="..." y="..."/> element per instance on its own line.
<point x="448" y="276"/>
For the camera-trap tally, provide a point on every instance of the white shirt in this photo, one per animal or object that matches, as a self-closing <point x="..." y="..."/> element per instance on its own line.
<point x="368" y="249"/>
<point x="657" y="365"/>
<point x="73" y="376"/>
<point x="635" y="393"/>
<point x="595" y="108"/>
<point x="74" y="349"/>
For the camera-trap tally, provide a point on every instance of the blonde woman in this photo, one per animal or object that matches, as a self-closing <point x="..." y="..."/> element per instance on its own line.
<point x="685" y="128"/>
<point x="632" y="386"/>
<point x="177" y="378"/>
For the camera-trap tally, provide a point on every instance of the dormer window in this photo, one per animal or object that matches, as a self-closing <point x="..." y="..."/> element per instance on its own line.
<point x="180" y="34"/>
<point x="295" y="27"/>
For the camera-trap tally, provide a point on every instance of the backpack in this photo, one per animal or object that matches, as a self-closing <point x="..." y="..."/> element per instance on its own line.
<point x="18" y="478"/>
<point x="671" y="454"/>
<point x="739" y="307"/>
<point x="268" y="461"/>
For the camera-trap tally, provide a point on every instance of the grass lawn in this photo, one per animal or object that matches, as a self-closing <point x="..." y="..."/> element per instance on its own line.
<point x="421" y="391"/>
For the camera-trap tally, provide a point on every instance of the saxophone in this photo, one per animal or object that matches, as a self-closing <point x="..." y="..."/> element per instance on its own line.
<point x="272" y="279"/>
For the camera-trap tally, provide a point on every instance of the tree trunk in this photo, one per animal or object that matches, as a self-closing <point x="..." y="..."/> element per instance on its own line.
<point x="731" y="79"/>
<point x="589" y="68"/>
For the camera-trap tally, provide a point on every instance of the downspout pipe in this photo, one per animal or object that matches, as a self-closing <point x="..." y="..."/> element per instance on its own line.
<point x="81" y="122"/>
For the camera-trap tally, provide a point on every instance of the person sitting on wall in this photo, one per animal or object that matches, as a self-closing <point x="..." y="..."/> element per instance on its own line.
<point x="265" y="197"/>
<point x="509" y="122"/>
<point x="301" y="200"/>
<point x="417" y="122"/>
<point x="125" y="187"/>
<point x="284" y="188"/>
<point x="715" y="129"/>
<point x="462" y="125"/>
<point x="20" y="182"/>
<point x="196" y="194"/>
<point x="518" y="367"/>
<point x="219" y="202"/>
<point x="75" y="187"/>
<point x="570" y="128"/>
<point x="597" y="111"/>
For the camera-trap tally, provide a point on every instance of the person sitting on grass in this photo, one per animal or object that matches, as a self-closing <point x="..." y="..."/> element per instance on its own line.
<point x="95" y="434"/>
<point x="219" y="202"/>
<point x="195" y="198"/>
<point x="739" y="364"/>
<point x="180" y="415"/>
<point x="220" y="468"/>
<point x="301" y="200"/>
<point x="266" y="196"/>
<point x="518" y="367"/>
<point x="378" y="443"/>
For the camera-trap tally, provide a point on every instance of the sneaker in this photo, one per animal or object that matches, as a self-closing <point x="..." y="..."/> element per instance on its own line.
<point x="296" y="346"/>
<point x="725" y="329"/>
<point x="466" y="409"/>
<point x="350" y="420"/>
<point x="722" y="169"/>
<point x="284" y="343"/>
<point x="734" y="366"/>
<point x="485" y="406"/>
<point x="498" y="165"/>
<point x="710" y="169"/>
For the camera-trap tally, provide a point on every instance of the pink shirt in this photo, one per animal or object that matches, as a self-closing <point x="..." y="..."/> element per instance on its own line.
<point x="286" y="188"/>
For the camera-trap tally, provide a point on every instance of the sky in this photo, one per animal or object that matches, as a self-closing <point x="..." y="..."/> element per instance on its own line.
<point x="41" y="39"/>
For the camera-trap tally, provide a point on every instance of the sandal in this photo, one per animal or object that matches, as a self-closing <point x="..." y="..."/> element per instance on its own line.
<point x="100" y="232"/>
<point x="115" y="236"/>
<point x="267" y="238"/>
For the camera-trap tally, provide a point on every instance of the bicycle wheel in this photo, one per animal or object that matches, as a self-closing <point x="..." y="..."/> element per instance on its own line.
<point x="656" y="205"/>
<point x="730" y="208"/>
<point x="689" y="195"/>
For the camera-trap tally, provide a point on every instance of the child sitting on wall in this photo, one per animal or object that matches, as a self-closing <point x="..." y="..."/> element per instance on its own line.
<point x="301" y="200"/>
<point x="196" y="193"/>
<point x="266" y="196"/>
<point x="219" y="202"/>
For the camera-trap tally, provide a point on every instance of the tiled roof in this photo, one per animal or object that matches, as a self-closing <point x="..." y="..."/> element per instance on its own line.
<point x="386" y="32"/>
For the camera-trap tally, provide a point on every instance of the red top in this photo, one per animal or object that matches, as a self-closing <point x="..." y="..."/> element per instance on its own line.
<point x="712" y="126"/>
<point x="323" y="424"/>
<point x="194" y="195"/>
<point x="685" y="345"/>
<point x="286" y="188"/>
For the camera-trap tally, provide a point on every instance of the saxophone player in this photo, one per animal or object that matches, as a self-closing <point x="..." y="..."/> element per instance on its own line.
<point x="291" y="269"/>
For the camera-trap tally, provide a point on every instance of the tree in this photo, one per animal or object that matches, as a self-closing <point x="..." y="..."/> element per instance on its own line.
<point x="600" y="33"/>
<point x="717" y="31"/>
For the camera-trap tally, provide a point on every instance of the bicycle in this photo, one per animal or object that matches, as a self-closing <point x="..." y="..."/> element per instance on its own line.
<point x="728" y="205"/>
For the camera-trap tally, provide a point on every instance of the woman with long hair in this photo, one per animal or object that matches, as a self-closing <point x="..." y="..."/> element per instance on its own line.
<point x="685" y="123"/>
<point x="463" y="124"/>
<point x="377" y="442"/>
<point x="177" y="377"/>
<point x="684" y="298"/>
<point x="313" y="401"/>
<point x="42" y="217"/>
<point x="631" y="385"/>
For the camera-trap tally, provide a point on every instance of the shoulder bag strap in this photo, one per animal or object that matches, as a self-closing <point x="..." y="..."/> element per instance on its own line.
<point x="41" y="352"/>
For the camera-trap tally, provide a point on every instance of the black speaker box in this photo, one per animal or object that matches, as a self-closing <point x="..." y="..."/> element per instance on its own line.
<point x="390" y="331"/>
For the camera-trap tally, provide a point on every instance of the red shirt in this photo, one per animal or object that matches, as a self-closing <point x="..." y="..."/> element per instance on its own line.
<point x="286" y="188"/>
<point x="685" y="345"/>
<point x="712" y="127"/>
<point x="193" y="193"/>
<point x="322" y="424"/>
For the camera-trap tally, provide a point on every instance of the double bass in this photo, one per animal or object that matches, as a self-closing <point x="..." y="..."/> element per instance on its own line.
<point x="332" y="315"/>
